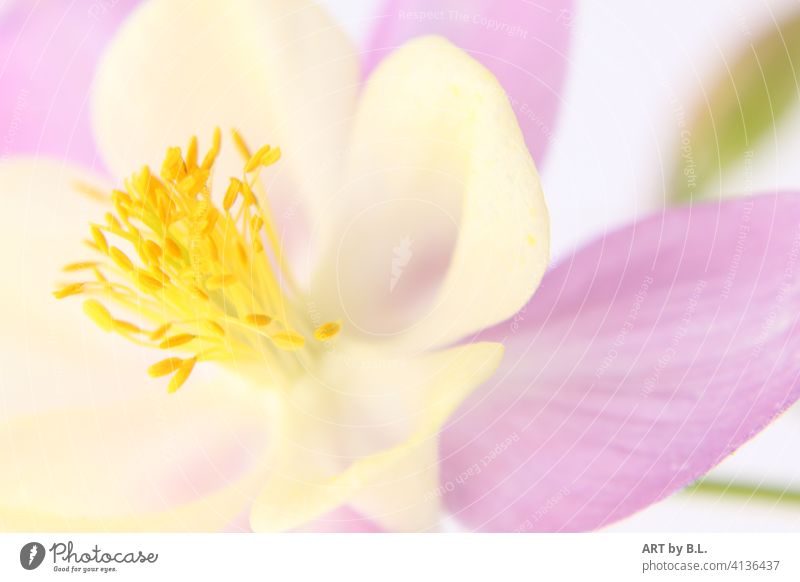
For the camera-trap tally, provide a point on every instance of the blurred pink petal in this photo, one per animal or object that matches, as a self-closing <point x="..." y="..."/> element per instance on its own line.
<point x="48" y="53"/>
<point x="523" y="43"/>
<point x="642" y="362"/>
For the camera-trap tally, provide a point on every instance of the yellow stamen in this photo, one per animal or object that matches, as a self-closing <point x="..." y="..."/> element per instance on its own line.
<point x="192" y="264"/>
<point x="99" y="238"/>
<point x="327" y="331"/>
<point x="231" y="194"/>
<point x="240" y="144"/>
<point x="181" y="375"/>
<point x="219" y="281"/>
<point x="288" y="340"/>
<point x="176" y="340"/>
<point x="213" y="327"/>
<point x="82" y="266"/>
<point x="126" y="327"/>
<point x="160" y="332"/>
<point x="120" y="259"/>
<point x="98" y="314"/>
<point x="67" y="290"/>
<point x="258" y="319"/>
<point x="164" y="367"/>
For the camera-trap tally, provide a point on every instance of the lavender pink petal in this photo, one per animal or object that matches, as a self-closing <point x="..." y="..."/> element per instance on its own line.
<point x="48" y="54"/>
<point x="643" y="361"/>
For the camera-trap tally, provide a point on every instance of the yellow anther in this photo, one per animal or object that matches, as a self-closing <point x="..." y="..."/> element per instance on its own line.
<point x="152" y="251"/>
<point x="240" y="144"/>
<point x="99" y="314"/>
<point x="113" y="223"/>
<point x="258" y="319"/>
<point x="172" y="248"/>
<point x="213" y="327"/>
<point x="288" y="340"/>
<point x="270" y="157"/>
<point x="174" y="341"/>
<point x="212" y="154"/>
<point x="327" y="331"/>
<point x="199" y="292"/>
<point x="242" y="252"/>
<point x="120" y="259"/>
<point x="211" y="221"/>
<point x="99" y="239"/>
<point x="219" y="281"/>
<point x="160" y="332"/>
<point x="68" y="290"/>
<point x="247" y="194"/>
<point x="181" y="375"/>
<point x="142" y="181"/>
<point x="164" y="367"/>
<point x="82" y="266"/>
<point x="173" y="167"/>
<point x="149" y="282"/>
<point x="90" y="191"/>
<point x="231" y="194"/>
<point x="191" y="154"/>
<point x="126" y="327"/>
<point x="255" y="159"/>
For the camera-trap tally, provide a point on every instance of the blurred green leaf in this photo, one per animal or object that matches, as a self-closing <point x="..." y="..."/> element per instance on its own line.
<point x="745" y="491"/>
<point x="745" y="103"/>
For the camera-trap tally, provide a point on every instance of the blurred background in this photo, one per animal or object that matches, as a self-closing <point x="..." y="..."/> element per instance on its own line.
<point x="663" y="103"/>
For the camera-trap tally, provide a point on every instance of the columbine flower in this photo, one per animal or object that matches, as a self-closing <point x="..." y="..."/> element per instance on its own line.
<point x="641" y="362"/>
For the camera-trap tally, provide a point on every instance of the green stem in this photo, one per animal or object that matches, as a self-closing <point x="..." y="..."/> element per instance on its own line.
<point x="745" y="491"/>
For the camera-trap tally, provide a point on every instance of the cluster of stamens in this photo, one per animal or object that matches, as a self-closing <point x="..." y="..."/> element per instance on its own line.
<point x="208" y="282"/>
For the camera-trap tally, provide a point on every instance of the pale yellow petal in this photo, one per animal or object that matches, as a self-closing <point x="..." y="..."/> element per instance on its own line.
<point x="370" y="441"/>
<point x="185" y="462"/>
<point x="444" y="229"/>
<point x="51" y="354"/>
<point x="281" y="72"/>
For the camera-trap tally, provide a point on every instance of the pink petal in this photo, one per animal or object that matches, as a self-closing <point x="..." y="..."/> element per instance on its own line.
<point x="642" y="362"/>
<point x="523" y="43"/>
<point x="48" y="54"/>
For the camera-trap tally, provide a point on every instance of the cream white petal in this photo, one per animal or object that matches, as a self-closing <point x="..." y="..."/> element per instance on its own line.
<point x="365" y="433"/>
<point x="51" y="354"/>
<point x="443" y="226"/>
<point x="87" y="439"/>
<point x="281" y="72"/>
<point x="187" y="462"/>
